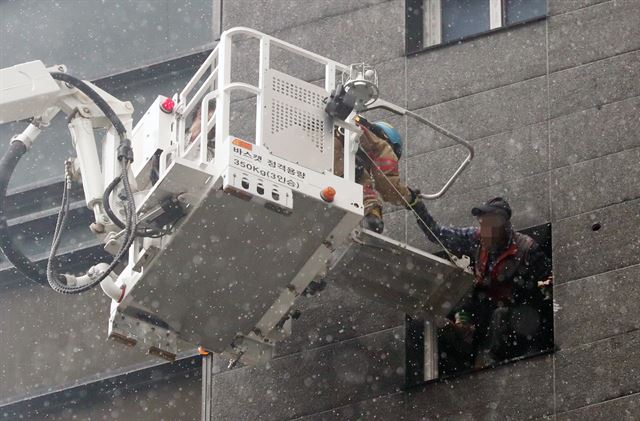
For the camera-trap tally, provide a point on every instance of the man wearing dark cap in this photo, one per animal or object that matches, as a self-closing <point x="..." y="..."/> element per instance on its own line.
<point x="507" y="312"/>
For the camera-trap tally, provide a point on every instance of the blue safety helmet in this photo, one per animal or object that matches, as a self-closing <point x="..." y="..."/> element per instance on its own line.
<point x="392" y="135"/>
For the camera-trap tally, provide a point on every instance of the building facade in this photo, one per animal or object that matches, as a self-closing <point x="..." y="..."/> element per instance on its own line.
<point x="551" y="103"/>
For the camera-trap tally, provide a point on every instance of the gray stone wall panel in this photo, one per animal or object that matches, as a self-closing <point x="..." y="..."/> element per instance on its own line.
<point x="528" y="198"/>
<point x="269" y="16"/>
<point x="391" y="83"/>
<point x="595" y="183"/>
<point x="314" y="381"/>
<point x="597" y="307"/>
<point x="595" y="132"/>
<point x="166" y="399"/>
<point x="512" y="392"/>
<point x="335" y="315"/>
<point x="475" y="66"/>
<point x="480" y="115"/>
<point x="598" y="372"/>
<point x="625" y="408"/>
<point x="57" y="341"/>
<point x="389" y="407"/>
<point x="372" y="34"/>
<point x="594" y="84"/>
<point x="500" y="158"/>
<point x="593" y="33"/>
<point x="578" y="251"/>
<point x="555" y="7"/>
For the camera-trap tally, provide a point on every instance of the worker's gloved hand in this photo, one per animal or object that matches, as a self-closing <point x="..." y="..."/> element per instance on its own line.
<point x="546" y="287"/>
<point x="415" y="202"/>
<point x="373" y="223"/>
<point x="373" y="220"/>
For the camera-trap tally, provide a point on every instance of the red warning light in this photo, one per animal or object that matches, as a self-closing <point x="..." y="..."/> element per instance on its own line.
<point x="328" y="194"/>
<point x="168" y="105"/>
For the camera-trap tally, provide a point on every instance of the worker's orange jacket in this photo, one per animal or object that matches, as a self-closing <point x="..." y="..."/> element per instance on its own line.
<point x="380" y="177"/>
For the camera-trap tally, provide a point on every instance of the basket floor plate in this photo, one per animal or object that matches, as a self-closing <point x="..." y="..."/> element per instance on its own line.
<point x="403" y="277"/>
<point x="228" y="263"/>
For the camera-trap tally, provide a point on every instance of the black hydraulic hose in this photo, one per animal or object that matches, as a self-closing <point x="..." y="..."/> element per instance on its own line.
<point x="55" y="279"/>
<point x="124" y="150"/>
<point x="22" y="263"/>
<point x="148" y="232"/>
<point x="107" y="206"/>
<point x="93" y="96"/>
<point x="8" y="164"/>
<point x="125" y="156"/>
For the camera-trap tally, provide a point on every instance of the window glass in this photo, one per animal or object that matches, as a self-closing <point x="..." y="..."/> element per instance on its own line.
<point x="433" y="22"/>
<point x="522" y="10"/>
<point x="462" y="18"/>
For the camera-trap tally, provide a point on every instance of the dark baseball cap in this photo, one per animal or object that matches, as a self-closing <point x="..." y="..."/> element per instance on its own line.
<point x="495" y="205"/>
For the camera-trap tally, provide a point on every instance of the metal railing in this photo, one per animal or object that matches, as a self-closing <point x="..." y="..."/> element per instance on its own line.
<point x="214" y="77"/>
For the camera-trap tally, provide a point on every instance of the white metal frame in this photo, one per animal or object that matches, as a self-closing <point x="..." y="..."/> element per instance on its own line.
<point x="218" y="86"/>
<point x="185" y="161"/>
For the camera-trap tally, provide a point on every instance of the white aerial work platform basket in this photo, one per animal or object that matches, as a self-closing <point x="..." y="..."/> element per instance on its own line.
<point x="258" y="224"/>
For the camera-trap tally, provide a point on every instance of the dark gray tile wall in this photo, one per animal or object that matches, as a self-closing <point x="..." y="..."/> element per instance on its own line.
<point x="625" y="408"/>
<point x="579" y="251"/>
<point x="312" y="381"/>
<point x="334" y="315"/>
<point x="593" y="33"/>
<point x="593" y="84"/>
<point x="597" y="307"/>
<point x="595" y="132"/>
<point x="609" y="367"/>
<point x="555" y="7"/>
<point x="500" y="158"/>
<point x="480" y="115"/>
<point x="269" y="16"/>
<point x="158" y="397"/>
<point x="594" y="184"/>
<point x="389" y="407"/>
<point x="57" y="341"/>
<point x="519" y="391"/>
<point x="475" y="66"/>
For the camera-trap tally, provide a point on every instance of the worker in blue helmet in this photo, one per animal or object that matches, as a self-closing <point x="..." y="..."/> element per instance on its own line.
<point x="376" y="169"/>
